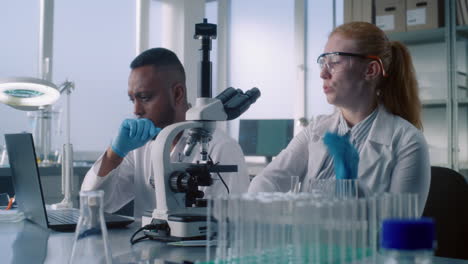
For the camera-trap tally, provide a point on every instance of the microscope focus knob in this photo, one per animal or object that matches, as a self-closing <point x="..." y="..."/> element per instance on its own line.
<point x="179" y="181"/>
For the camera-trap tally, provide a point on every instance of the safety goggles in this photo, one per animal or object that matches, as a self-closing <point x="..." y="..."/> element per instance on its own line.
<point x="339" y="61"/>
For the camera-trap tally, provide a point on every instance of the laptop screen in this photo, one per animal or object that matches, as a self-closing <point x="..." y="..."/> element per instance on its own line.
<point x="25" y="176"/>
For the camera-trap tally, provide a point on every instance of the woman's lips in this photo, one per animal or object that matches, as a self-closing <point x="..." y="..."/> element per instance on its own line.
<point x="327" y="89"/>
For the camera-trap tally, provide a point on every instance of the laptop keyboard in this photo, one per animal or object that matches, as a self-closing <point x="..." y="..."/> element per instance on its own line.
<point x="64" y="216"/>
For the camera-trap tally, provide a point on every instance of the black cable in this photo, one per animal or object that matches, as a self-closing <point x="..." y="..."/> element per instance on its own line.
<point x="140" y="238"/>
<point x="219" y="175"/>
<point x="146" y="227"/>
<point x="225" y="185"/>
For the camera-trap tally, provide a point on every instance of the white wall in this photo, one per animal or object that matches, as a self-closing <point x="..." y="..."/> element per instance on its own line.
<point x="319" y="26"/>
<point x="262" y="55"/>
<point x="18" y="54"/>
<point x="93" y="47"/>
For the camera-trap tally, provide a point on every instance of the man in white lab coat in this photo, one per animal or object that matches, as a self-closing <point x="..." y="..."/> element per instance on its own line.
<point x="157" y="89"/>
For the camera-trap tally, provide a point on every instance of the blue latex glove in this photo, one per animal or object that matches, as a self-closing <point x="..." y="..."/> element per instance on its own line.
<point x="345" y="155"/>
<point x="133" y="134"/>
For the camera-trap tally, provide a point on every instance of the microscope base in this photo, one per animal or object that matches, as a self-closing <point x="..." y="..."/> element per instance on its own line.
<point x="178" y="227"/>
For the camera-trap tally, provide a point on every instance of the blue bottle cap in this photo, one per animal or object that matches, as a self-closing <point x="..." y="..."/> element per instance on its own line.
<point x="408" y="234"/>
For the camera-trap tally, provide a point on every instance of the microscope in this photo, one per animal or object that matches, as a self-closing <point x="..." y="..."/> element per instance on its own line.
<point x="180" y="212"/>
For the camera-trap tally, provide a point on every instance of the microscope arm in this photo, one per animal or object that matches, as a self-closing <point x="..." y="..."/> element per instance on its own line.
<point x="166" y="199"/>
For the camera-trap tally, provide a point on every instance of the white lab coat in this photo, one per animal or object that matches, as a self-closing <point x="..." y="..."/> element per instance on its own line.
<point x="131" y="179"/>
<point x="394" y="158"/>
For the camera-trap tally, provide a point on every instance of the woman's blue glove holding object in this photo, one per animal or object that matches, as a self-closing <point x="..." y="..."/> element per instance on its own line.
<point x="345" y="155"/>
<point x="133" y="133"/>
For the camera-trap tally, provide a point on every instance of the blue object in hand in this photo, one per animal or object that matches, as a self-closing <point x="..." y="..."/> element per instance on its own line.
<point x="134" y="133"/>
<point x="345" y="155"/>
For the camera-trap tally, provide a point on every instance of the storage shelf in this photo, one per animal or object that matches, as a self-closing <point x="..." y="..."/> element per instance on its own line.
<point x="446" y="48"/>
<point x="434" y="102"/>
<point x="426" y="35"/>
<point x="463" y="101"/>
<point x="441" y="102"/>
<point x="462" y="31"/>
<point x="419" y="36"/>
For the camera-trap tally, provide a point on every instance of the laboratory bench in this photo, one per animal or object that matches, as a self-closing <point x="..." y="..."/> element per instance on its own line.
<point x="25" y="242"/>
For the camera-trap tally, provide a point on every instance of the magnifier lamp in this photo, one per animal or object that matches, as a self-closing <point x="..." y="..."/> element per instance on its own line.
<point x="32" y="94"/>
<point x="28" y="94"/>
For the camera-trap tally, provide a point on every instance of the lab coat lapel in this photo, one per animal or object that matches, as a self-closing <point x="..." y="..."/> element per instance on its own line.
<point x="318" y="150"/>
<point x="377" y="147"/>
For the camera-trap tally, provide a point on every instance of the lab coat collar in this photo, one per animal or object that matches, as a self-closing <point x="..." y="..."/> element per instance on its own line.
<point x="381" y="131"/>
<point x="323" y="126"/>
<point x="383" y="128"/>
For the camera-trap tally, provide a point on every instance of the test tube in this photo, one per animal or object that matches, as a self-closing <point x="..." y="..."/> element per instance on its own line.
<point x="295" y="184"/>
<point x="220" y="212"/>
<point x="210" y="233"/>
<point x="373" y="224"/>
<point x="409" y="205"/>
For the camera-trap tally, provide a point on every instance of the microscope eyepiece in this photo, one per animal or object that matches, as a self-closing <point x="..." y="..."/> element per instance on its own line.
<point x="254" y="94"/>
<point x="227" y="94"/>
<point x="240" y="102"/>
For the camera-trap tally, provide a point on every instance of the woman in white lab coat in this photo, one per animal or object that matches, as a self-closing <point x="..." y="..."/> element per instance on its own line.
<point x="372" y="83"/>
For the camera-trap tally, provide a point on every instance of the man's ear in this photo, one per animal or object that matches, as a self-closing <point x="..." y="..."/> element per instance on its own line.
<point x="373" y="70"/>
<point x="178" y="92"/>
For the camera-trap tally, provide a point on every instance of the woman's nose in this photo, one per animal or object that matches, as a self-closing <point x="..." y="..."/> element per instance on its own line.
<point x="324" y="73"/>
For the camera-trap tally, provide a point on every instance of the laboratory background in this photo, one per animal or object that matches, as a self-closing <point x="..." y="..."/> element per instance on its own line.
<point x="269" y="44"/>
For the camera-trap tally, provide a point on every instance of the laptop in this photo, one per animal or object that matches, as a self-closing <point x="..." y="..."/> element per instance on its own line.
<point x="28" y="190"/>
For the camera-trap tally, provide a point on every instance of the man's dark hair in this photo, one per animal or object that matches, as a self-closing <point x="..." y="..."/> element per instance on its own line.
<point x="160" y="58"/>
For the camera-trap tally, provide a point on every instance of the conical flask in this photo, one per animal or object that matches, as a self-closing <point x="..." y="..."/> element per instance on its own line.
<point x="91" y="244"/>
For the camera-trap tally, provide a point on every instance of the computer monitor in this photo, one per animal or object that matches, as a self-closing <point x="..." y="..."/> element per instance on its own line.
<point x="265" y="137"/>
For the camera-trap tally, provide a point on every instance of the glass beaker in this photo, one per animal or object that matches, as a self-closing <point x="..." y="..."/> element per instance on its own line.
<point x="91" y="243"/>
<point x="47" y="134"/>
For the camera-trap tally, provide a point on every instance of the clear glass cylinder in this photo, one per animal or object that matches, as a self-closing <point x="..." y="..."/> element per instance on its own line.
<point x="91" y="243"/>
<point x="47" y="134"/>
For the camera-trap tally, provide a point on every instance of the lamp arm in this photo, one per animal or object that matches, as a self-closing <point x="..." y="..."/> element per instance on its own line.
<point x="67" y="86"/>
<point x="67" y="153"/>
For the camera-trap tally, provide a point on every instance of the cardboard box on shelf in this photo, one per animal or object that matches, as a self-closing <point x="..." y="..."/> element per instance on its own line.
<point x="390" y="15"/>
<point x="368" y="11"/>
<point x="358" y="10"/>
<point x="348" y="11"/>
<point x="425" y="14"/>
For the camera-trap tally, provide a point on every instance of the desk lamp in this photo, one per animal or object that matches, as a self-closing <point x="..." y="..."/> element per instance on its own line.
<point x="32" y="94"/>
